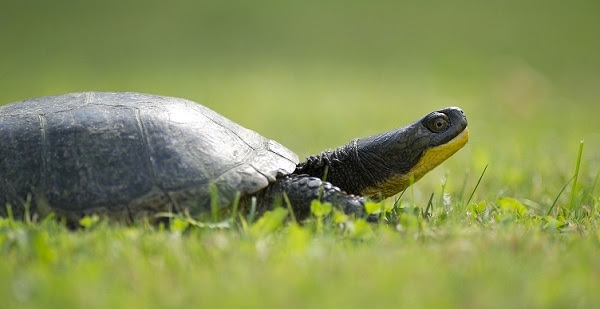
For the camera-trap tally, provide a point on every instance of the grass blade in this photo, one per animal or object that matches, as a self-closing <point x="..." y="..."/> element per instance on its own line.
<point x="398" y="200"/>
<point x="323" y="182"/>
<point x="236" y="202"/>
<point x="250" y="217"/>
<point x="559" y="193"/>
<point x="9" y="212"/>
<point x="289" y="207"/>
<point x="477" y="185"/>
<point x="574" y="187"/>
<point x="593" y="190"/>
<point x="429" y="206"/>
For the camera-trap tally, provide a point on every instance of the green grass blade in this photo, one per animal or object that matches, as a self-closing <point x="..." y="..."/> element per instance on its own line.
<point x="9" y="212"/>
<point x="593" y="189"/>
<point x="559" y="193"/>
<point x="429" y="206"/>
<point x="323" y="181"/>
<point x="250" y="218"/>
<point x="477" y="185"/>
<point x="236" y="202"/>
<point x="398" y="200"/>
<point x="27" y="213"/>
<point x="289" y="207"/>
<point x="574" y="187"/>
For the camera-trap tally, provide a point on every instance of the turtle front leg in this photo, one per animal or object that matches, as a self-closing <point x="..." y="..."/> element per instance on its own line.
<point x="302" y="190"/>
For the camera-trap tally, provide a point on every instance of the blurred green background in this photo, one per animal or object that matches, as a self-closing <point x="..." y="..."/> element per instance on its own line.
<point x="315" y="74"/>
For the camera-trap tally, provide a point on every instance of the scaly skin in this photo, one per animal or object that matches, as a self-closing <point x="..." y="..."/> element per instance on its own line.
<point x="302" y="190"/>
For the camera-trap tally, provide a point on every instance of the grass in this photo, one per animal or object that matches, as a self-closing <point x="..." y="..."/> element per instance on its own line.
<point x="503" y="223"/>
<point x="487" y="254"/>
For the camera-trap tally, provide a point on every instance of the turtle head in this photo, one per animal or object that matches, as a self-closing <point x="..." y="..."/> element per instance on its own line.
<point x="395" y="159"/>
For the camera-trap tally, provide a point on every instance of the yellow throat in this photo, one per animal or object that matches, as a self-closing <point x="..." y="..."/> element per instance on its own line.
<point x="431" y="158"/>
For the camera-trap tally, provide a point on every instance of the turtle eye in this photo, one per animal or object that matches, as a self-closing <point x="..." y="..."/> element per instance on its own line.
<point x="438" y="124"/>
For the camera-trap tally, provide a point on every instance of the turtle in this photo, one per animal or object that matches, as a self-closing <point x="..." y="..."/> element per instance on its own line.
<point x="127" y="156"/>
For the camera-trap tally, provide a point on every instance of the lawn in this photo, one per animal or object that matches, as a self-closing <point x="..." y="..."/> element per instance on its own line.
<point x="312" y="76"/>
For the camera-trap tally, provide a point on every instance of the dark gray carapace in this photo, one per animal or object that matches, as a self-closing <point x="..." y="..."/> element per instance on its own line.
<point x="124" y="153"/>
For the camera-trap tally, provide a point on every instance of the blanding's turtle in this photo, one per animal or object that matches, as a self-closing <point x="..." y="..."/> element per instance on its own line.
<point x="131" y="155"/>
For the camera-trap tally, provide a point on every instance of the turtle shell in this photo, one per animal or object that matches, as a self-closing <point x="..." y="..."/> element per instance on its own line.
<point x="128" y="154"/>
